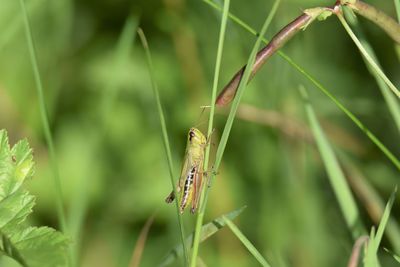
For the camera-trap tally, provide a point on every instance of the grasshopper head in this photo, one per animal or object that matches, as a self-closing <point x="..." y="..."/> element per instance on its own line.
<point x="196" y="137"/>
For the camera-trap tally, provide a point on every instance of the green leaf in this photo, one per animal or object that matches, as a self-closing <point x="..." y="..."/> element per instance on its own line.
<point x="22" y="155"/>
<point x="6" y="167"/>
<point x="41" y="246"/>
<point x="207" y="230"/>
<point x="16" y="165"/>
<point x="319" y="13"/>
<point x="14" y="209"/>
<point x="32" y="246"/>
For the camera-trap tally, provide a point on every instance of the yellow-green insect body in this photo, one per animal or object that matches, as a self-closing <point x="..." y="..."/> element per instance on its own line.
<point x="190" y="182"/>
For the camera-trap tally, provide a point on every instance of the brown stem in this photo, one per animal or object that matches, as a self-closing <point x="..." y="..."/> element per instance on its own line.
<point x="355" y="254"/>
<point x="296" y="129"/>
<point x="389" y="25"/>
<point x="380" y="18"/>
<point x="229" y="91"/>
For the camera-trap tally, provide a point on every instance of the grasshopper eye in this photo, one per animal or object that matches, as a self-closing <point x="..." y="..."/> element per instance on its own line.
<point x="191" y="135"/>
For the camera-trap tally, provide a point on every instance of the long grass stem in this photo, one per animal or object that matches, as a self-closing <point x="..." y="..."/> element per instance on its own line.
<point x="392" y="103"/>
<point x="200" y="216"/>
<point x="279" y="40"/>
<point x="165" y="138"/>
<point x="45" y="120"/>
<point x="369" y="59"/>
<point x="380" y="18"/>
<point x="229" y="123"/>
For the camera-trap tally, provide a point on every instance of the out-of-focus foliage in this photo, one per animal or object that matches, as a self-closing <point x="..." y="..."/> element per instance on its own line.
<point x="107" y="135"/>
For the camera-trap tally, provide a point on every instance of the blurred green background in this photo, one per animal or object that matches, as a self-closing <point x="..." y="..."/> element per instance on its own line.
<point x="108" y="139"/>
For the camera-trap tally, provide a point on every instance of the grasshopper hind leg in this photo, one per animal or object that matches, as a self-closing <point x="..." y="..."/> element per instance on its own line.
<point x="197" y="189"/>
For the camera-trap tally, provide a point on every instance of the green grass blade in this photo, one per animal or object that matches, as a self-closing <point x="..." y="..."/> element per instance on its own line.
<point x="322" y="88"/>
<point x="396" y="257"/>
<point x="397" y="5"/>
<point x="384" y="220"/>
<point x="44" y="119"/>
<point x="246" y="242"/>
<point x="391" y="101"/>
<point x="335" y="174"/>
<point x="368" y="57"/>
<point x="200" y="215"/>
<point x="370" y="259"/>
<point x="229" y="122"/>
<point x="207" y="231"/>
<point x="164" y="136"/>
<point x="242" y="87"/>
<point x="370" y="199"/>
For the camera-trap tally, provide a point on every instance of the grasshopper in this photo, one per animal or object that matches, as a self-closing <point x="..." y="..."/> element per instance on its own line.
<point x="190" y="182"/>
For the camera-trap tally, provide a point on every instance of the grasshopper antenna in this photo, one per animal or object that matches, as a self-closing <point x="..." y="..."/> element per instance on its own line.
<point x="203" y="108"/>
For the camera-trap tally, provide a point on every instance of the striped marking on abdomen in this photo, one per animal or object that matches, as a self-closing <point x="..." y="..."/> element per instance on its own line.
<point x="187" y="187"/>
